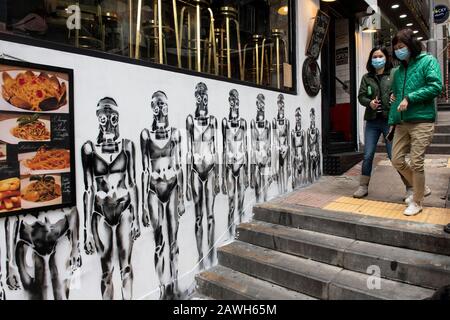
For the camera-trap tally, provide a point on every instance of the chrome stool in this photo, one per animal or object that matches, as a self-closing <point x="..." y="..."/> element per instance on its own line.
<point x="194" y="8"/>
<point x="229" y="16"/>
<point x="257" y="50"/>
<point x="278" y="49"/>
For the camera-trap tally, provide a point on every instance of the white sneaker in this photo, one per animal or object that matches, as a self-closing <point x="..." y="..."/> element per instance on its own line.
<point x="413" y="209"/>
<point x="427" y="191"/>
<point x="410" y="194"/>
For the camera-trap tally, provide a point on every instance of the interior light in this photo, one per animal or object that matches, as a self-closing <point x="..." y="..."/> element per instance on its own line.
<point x="409" y="24"/>
<point x="283" y="11"/>
<point x="403" y="16"/>
<point x="395" y="6"/>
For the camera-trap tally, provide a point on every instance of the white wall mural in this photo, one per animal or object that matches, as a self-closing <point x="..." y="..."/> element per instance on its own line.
<point x="156" y="198"/>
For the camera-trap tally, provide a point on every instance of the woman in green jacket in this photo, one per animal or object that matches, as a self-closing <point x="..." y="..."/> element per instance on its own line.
<point x="374" y="94"/>
<point x="417" y="82"/>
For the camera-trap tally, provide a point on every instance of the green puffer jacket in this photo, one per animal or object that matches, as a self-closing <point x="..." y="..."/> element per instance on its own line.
<point x="420" y="83"/>
<point x="370" y="88"/>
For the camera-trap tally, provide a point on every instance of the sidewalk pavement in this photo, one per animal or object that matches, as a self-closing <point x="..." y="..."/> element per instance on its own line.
<point x="386" y="192"/>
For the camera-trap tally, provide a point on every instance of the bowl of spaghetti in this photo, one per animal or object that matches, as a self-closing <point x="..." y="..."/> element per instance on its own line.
<point x="44" y="161"/>
<point x="41" y="190"/>
<point x="34" y="92"/>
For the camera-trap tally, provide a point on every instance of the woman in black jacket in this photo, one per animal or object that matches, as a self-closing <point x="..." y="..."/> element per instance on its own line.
<point x="374" y="94"/>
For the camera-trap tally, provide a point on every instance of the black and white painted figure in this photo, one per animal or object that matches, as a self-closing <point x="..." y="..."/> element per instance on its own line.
<point x="52" y="243"/>
<point x="203" y="183"/>
<point x="2" y="290"/>
<point x="299" y="167"/>
<point x="313" y="136"/>
<point x="235" y="180"/>
<point x="281" y="147"/>
<point x="162" y="192"/>
<point x="261" y="152"/>
<point x="110" y="199"/>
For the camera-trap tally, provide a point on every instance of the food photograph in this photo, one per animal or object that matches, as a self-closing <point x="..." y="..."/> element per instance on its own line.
<point x="3" y="152"/>
<point x="41" y="190"/>
<point x="10" y="195"/>
<point x="15" y="128"/>
<point x="44" y="161"/>
<point x="33" y="91"/>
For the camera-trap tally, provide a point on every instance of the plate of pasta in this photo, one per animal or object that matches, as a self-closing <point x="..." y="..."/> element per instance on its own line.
<point x="31" y="91"/>
<point x="41" y="190"/>
<point x="25" y="128"/>
<point x="45" y="161"/>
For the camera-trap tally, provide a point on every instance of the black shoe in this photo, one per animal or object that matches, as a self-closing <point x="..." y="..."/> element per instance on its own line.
<point x="447" y="228"/>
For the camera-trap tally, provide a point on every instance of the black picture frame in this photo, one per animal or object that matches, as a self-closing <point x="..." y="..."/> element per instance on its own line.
<point x="70" y="129"/>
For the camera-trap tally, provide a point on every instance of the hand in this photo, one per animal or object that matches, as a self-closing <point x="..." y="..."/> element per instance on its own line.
<point x="12" y="278"/>
<point x="224" y="188"/>
<point x="375" y="104"/>
<point x="135" y="229"/>
<point x="392" y="98"/>
<point x="89" y="244"/>
<point x="181" y="208"/>
<point x="146" y="219"/>
<point x="403" y="105"/>
<point x="75" y="259"/>
<point x="188" y="192"/>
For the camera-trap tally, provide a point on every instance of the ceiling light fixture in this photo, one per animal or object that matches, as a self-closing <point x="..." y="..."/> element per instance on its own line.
<point x="395" y="6"/>
<point x="403" y="16"/>
<point x="283" y="11"/>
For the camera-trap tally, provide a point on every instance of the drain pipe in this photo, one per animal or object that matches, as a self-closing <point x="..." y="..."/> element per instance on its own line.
<point x="432" y="42"/>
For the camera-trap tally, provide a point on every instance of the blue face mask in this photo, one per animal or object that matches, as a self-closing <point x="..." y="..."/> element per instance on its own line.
<point x="378" y="63"/>
<point x="403" y="53"/>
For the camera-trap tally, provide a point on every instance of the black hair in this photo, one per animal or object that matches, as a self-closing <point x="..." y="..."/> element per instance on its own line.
<point x="407" y="37"/>
<point x="387" y="67"/>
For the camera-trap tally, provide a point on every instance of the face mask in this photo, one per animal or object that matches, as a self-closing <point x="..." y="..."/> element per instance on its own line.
<point x="402" y="54"/>
<point x="378" y="63"/>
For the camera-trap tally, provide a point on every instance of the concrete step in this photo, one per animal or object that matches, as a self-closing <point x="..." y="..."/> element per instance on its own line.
<point x="441" y="128"/>
<point x="434" y="148"/>
<point x="198" y="296"/>
<point x="397" y="233"/>
<point x="441" y="138"/>
<point x="444" y="108"/>
<point x="438" y="149"/>
<point x="313" y="278"/>
<point x="222" y="283"/>
<point x="409" y="266"/>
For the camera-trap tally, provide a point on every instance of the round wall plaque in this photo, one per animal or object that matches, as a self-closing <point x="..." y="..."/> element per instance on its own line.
<point x="311" y="77"/>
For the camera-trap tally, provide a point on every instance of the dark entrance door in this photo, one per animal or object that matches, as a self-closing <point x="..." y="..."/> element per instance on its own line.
<point x="339" y="97"/>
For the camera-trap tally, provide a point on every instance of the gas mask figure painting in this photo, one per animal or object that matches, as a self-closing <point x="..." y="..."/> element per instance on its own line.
<point x="298" y="137"/>
<point x="260" y="153"/>
<point x="314" y="161"/>
<point x="235" y="180"/>
<point x="52" y="242"/>
<point x="110" y="199"/>
<point x="281" y="147"/>
<point x="202" y="169"/>
<point x="162" y="192"/>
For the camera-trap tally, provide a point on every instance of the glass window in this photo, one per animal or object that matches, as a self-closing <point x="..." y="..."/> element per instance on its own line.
<point x="242" y="40"/>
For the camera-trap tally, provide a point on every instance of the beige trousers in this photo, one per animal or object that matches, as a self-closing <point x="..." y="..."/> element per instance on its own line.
<point x="413" y="138"/>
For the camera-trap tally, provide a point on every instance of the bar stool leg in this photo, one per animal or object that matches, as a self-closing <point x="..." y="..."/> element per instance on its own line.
<point x="198" y="46"/>
<point x="227" y="23"/>
<point x="177" y="36"/>
<point x="263" y="53"/>
<point x="278" y="62"/>
<point x="241" y="67"/>
<point x="213" y="40"/>
<point x="138" y="30"/>
<point x="130" y="36"/>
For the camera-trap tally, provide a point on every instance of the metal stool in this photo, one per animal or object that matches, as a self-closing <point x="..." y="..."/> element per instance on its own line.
<point x="229" y="15"/>
<point x="92" y="32"/>
<point x="157" y="31"/>
<point x="194" y="8"/>
<point x="257" y="49"/>
<point x="278" y="48"/>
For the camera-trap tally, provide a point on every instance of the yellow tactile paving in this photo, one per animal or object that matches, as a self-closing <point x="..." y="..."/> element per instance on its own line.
<point x="388" y="210"/>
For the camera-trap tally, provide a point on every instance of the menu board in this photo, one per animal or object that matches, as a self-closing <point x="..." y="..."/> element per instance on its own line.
<point x="37" y="164"/>
<point x="319" y="33"/>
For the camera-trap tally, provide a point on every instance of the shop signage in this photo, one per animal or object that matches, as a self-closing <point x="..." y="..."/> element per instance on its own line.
<point x="37" y="168"/>
<point x="441" y="14"/>
<point x="320" y="31"/>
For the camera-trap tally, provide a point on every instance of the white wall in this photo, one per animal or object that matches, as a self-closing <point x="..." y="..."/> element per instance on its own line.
<point x="132" y="87"/>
